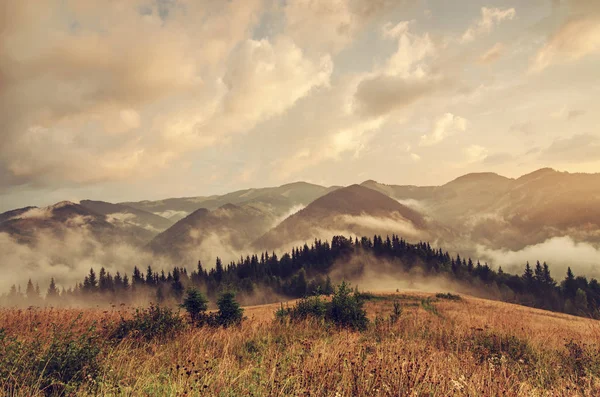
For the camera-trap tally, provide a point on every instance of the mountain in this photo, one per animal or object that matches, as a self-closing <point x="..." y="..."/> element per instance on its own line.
<point x="278" y="200"/>
<point x="133" y="216"/>
<point x="203" y="234"/>
<point x="5" y="216"/>
<point x="505" y="213"/>
<point x="355" y="210"/>
<point x="31" y="224"/>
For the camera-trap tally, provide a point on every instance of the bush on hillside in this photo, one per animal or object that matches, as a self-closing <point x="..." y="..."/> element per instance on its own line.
<point x="345" y="309"/>
<point x="155" y="322"/>
<point x="230" y="312"/>
<point x="57" y="368"/>
<point x="196" y="304"/>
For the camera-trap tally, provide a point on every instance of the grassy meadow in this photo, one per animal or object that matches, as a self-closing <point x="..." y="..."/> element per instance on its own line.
<point x="437" y="347"/>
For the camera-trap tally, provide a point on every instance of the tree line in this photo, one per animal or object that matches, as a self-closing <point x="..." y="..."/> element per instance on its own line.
<point x="304" y="271"/>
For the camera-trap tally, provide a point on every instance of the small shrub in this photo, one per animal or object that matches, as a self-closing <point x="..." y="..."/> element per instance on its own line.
<point x="230" y="312"/>
<point x="155" y="322"/>
<point x="395" y="316"/>
<point x="196" y="304"/>
<point x="309" y="307"/>
<point x="56" y="368"/>
<point x="491" y="345"/>
<point x="448" y="296"/>
<point x="346" y="309"/>
<point x="428" y="305"/>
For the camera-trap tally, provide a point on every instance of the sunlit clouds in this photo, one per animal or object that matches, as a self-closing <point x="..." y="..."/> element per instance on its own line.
<point x="153" y="98"/>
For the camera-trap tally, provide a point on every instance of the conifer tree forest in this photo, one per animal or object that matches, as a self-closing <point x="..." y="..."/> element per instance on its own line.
<point x="305" y="271"/>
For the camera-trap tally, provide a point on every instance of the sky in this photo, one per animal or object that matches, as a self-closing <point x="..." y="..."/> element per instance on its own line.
<point x="132" y="100"/>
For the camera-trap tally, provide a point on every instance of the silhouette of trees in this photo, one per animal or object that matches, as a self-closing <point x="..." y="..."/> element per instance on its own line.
<point x="304" y="271"/>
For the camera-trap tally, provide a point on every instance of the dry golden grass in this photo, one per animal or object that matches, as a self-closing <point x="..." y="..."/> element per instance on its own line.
<point x="436" y="349"/>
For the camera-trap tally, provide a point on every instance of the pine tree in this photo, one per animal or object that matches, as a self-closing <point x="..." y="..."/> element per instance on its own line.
<point x="569" y="285"/>
<point x="219" y="268"/>
<point x="528" y="276"/>
<point x="230" y="312"/>
<point x="176" y="285"/>
<point x="137" y="278"/>
<point x="195" y="303"/>
<point x="548" y="280"/>
<point x="30" y="291"/>
<point x="90" y="283"/>
<point x="52" y="290"/>
<point x="103" y="280"/>
<point x="539" y="274"/>
<point x="149" y="276"/>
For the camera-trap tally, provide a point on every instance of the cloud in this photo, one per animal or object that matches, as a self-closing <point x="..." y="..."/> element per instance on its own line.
<point x="445" y="126"/>
<point x="558" y="252"/>
<point x="393" y="224"/>
<point x="567" y="114"/>
<point x="523" y="128"/>
<point x="264" y="79"/>
<point x="492" y="54"/>
<point x="490" y="17"/>
<point x="573" y="114"/>
<point x="125" y="95"/>
<point x="404" y="78"/>
<point x="101" y="65"/>
<point x="475" y="153"/>
<point x="411" y="51"/>
<point x="338" y="21"/>
<point x="576" y="149"/>
<point x="331" y="147"/>
<point x="498" y="159"/>
<point x="383" y="94"/>
<point x="66" y="254"/>
<point x="577" y="37"/>
<point x="415" y="157"/>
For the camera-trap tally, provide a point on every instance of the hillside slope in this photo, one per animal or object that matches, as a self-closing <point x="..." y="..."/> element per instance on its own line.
<point x="204" y="234"/>
<point x="503" y="213"/>
<point x="351" y="210"/>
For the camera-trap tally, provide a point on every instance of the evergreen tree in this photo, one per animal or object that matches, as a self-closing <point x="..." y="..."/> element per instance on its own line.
<point x="52" y="293"/>
<point x="569" y="285"/>
<point x="195" y="303"/>
<point x="548" y="280"/>
<point x="90" y="283"/>
<point x="528" y="276"/>
<point x="176" y="285"/>
<point x="30" y="291"/>
<point x="149" y="276"/>
<point x="103" y="284"/>
<point x="137" y="278"/>
<point x="230" y="312"/>
<point x="539" y="274"/>
<point x="219" y="269"/>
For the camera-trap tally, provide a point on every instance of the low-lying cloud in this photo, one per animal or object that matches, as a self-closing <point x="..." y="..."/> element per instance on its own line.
<point x="558" y="252"/>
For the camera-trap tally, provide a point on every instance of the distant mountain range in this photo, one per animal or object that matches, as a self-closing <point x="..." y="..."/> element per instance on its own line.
<point x="31" y="224"/>
<point x="355" y="210"/>
<point x="476" y="209"/>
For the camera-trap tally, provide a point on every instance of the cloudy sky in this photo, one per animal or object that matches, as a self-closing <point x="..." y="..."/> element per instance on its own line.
<point x="130" y="100"/>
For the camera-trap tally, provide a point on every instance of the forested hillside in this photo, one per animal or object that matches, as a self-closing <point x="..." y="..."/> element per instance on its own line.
<point x="305" y="271"/>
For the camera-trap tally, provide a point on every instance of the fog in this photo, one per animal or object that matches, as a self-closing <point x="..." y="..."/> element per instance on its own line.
<point x="380" y="275"/>
<point x="67" y="258"/>
<point x="558" y="252"/>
